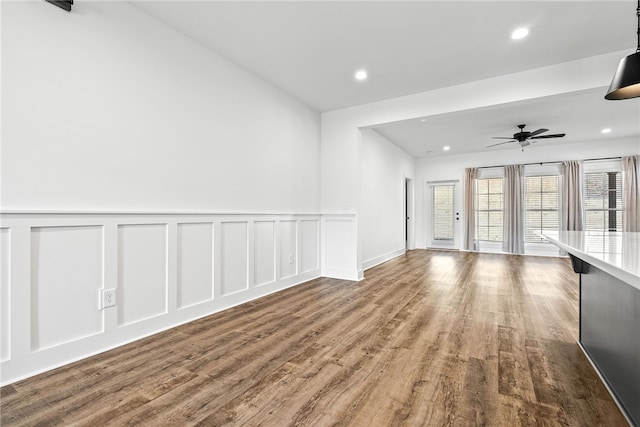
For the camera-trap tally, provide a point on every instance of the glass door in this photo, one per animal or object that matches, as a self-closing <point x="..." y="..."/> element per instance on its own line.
<point x="443" y="216"/>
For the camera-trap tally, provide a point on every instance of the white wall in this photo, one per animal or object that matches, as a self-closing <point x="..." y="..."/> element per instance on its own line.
<point x="452" y="168"/>
<point x="107" y="109"/>
<point x="384" y="168"/>
<point x="341" y="148"/>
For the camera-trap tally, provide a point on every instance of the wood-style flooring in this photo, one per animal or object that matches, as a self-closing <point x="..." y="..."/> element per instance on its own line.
<point x="428" y="339"/>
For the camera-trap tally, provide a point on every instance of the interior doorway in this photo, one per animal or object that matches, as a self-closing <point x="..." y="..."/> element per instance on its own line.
<point x="408" y="214"/>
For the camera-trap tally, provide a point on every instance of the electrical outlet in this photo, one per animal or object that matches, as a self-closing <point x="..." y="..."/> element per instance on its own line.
<point x="290" y="259"/>
<point x="108" y="298"/>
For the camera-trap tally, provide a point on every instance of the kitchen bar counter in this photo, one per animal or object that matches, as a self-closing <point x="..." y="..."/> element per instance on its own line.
<point x="609" y="268"/>
<point x="616" y="253"/>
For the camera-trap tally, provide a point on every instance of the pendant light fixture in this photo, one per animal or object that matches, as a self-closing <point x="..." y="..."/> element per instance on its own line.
<point x="626" y="80"/>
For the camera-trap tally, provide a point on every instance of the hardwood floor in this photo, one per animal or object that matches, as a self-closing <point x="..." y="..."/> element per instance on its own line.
<point x="428" y="339"/>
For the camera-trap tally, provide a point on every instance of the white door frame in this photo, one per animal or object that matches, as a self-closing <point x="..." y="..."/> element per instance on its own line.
<point x="439" y="244"/>
<point x="408" y="210"/>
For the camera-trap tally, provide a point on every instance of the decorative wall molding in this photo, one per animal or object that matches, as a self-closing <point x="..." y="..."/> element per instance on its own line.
<point x="264" y="252"/>
<point x="234" y="253"/>
<point x="166" y="268"/>
<point x="59" y="278"/>
<point x="340" y="255"/>
<point x="5" y="307"/>
<point x="143" y="272"/>
<point x="195" y="264"/>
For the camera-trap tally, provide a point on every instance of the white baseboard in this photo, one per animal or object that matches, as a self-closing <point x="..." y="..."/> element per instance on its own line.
<point x="335" y="273"/>
<point x="382" y="258"/>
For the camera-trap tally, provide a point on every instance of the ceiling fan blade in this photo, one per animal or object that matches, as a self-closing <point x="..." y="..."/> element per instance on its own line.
<point x="538" y="132"/>
<point x="556" y="135"/>
<point x="501" y="137"/>
<point x="500" y="143"/>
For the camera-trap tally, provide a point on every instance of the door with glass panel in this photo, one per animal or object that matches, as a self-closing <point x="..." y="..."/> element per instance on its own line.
<point x="443" y="216"/>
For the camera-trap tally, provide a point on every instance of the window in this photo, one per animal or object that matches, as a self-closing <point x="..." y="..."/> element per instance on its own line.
<point x="490" y="195"/>
<point x="541" y="206"/>
<point x="603" y="201"/>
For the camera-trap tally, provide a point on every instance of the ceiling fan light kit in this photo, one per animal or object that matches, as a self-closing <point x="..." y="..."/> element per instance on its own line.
<point x="626" y="80"/>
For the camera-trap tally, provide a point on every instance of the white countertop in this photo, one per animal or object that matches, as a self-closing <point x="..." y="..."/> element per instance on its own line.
<point x="616" y="253"/>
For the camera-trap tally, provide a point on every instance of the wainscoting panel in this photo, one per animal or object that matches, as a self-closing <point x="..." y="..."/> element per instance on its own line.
<point x="142" y="266"/>
<point x="195" y="263"/>
<point x="5" y="308"/>
<point x="166" y="269"/>
<point x="264" y="252"/>
<point x="310" y="244"/>
<point x="288" y="249"/>
<point x="234" y="247"/>
<point x="66" y="275"/>
<point x="340" y="257"/>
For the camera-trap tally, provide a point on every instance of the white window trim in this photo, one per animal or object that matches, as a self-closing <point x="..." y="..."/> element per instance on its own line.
<point x="543" y="169"/>
<point x="611" y="166"/>
<point x="599" y="166"/>
<point x="484" y="173"/>
<point x="489" y="246"/>
<point x="545" y="243"/>
<point x="493" y="173"/>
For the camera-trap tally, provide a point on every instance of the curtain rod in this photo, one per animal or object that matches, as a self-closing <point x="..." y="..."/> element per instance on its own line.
<point x="551" y="163"/>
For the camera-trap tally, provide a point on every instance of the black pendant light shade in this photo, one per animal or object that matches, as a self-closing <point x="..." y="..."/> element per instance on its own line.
<point x="63" y="4"/>
<point x="626" y="80"/>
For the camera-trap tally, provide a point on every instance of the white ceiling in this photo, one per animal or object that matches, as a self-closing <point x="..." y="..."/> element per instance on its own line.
<point x="581" y="115"/>
<point x="311" y="49"/>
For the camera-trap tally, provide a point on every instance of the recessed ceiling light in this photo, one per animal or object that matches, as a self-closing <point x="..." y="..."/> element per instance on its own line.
<point x="361" y="75"/>
<point x="520" y="33"/>
<point x="423" y="120"/>
<point x="606" y="130"/>
<point x="446" y="148"/>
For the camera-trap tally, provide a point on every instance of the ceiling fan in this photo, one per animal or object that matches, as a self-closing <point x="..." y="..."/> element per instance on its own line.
<point x="525" y="138"/>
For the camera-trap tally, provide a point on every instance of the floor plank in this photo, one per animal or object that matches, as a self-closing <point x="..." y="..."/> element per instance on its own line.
<point x="433" y="338"/>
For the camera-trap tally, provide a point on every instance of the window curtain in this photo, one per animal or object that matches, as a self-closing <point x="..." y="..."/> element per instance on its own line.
<point x="631" y="193"/>
<point x="571" y="196"/>
<point x="513" y="225"/>
<point x="470" y="176"/>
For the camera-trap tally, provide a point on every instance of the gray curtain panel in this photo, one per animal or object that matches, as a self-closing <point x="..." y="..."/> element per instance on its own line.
<point x="631" y="193"/>
<point x="470" y="176"/>
<point x="513" y="223"/>
<point x="572" y="196"/>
